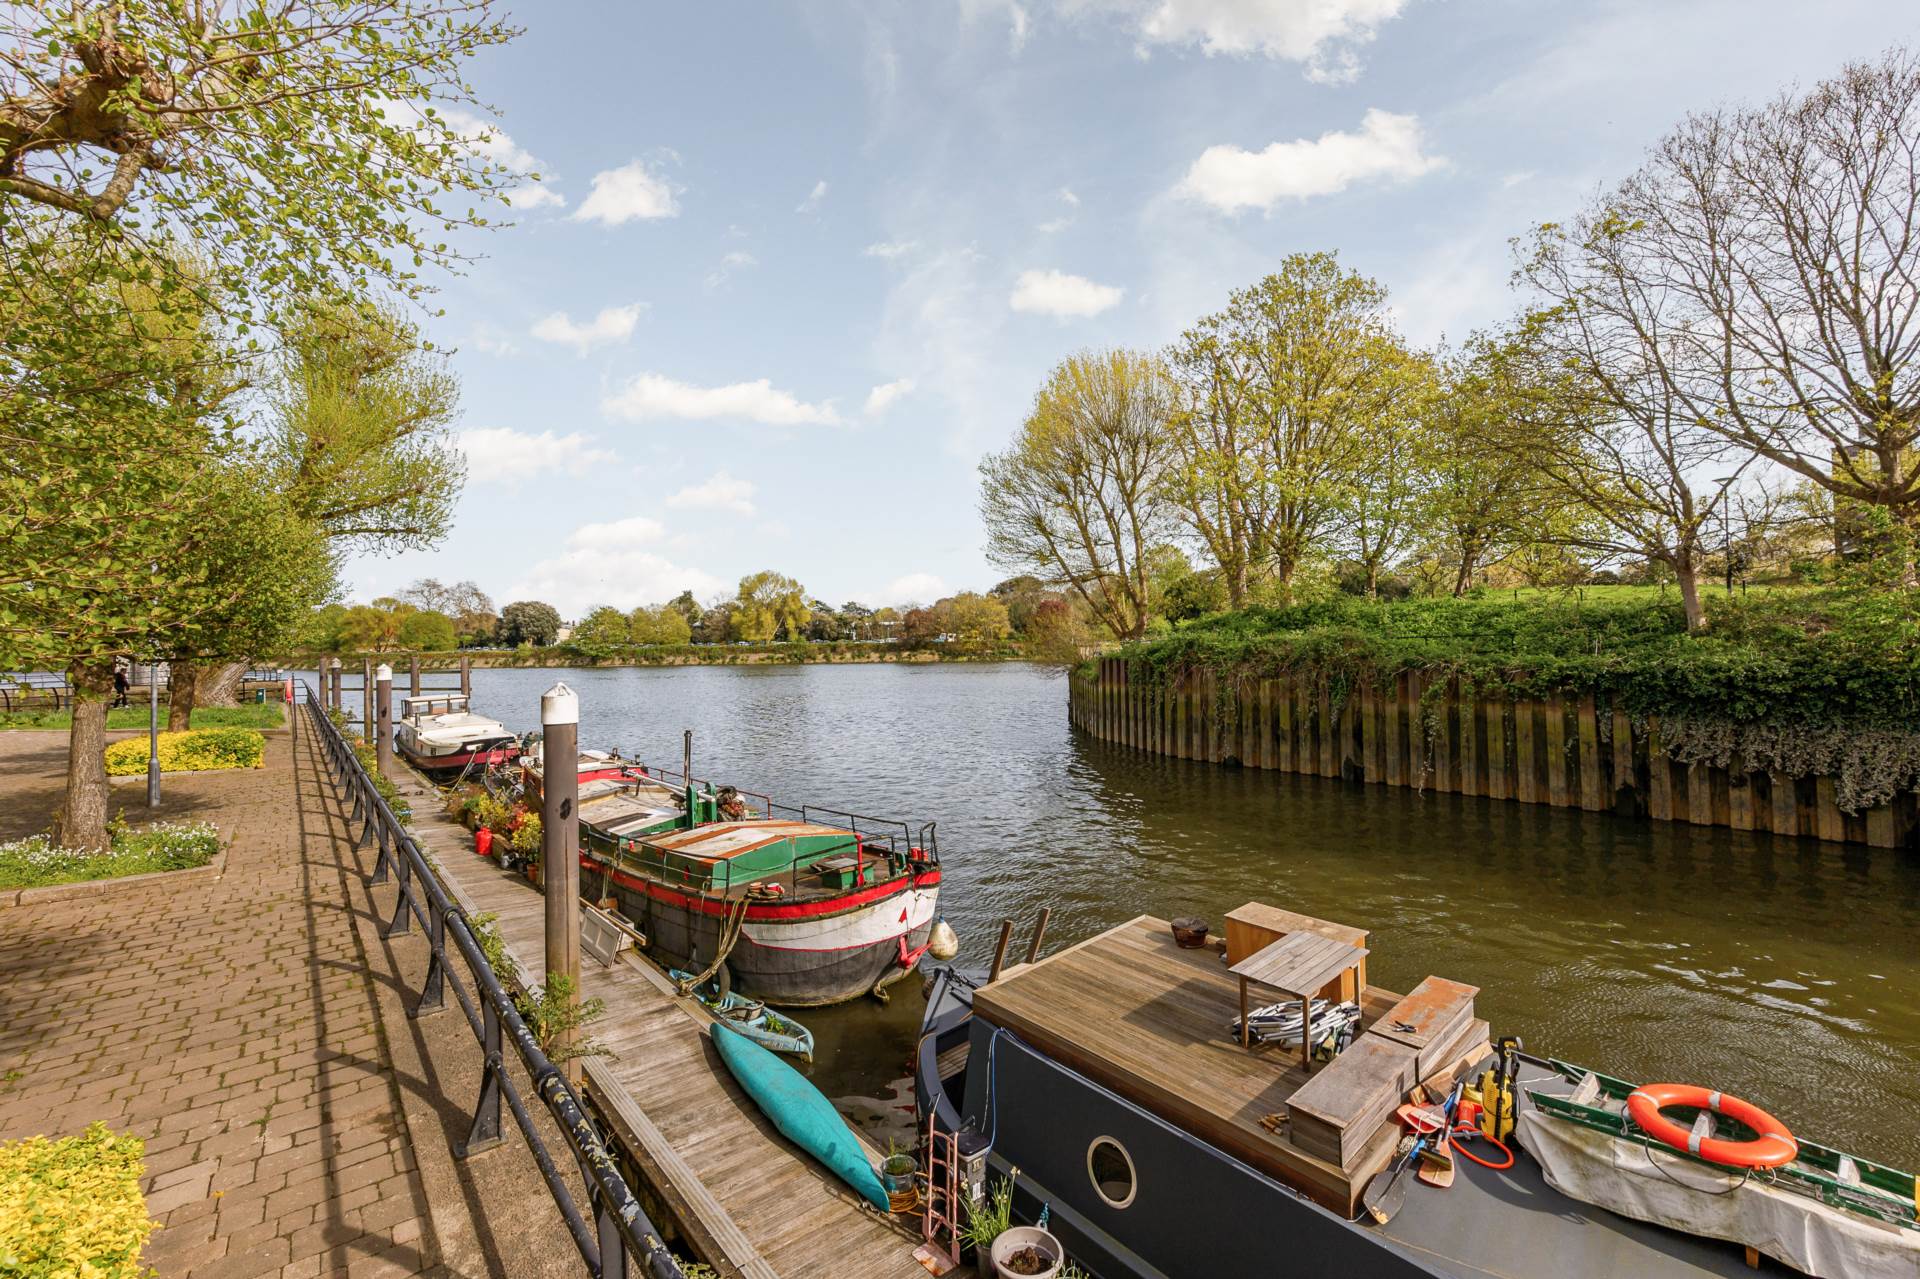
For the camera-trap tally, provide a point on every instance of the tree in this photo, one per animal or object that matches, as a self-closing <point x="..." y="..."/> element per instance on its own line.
<point x="770" y="605"/>
<point x="428" y="631"/>
<point x="1279" y="395"/>
<point x="1755" y="280"/>
<point x="659" y="624"/>
<point x="602" y="630"/>
<point x="978" y="621"/>
<point x="1080" y="494"/>
<point x="1476" y="490"/>
<point x="376" y="627"/>
<point x="529" y="622"/>
<point x="470" y="607"/>
<point x="1379" y="515"/>
<point x="322" y="630"/>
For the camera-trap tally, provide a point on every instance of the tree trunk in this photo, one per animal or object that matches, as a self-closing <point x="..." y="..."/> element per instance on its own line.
<point x="220" y="686"/>
<point x="1373" y="580"/>
<point x="1462" y="578"/>
<point x="1237" y="584"/>
<point x="82" y="819"/>
<point x="183" y="680"/>
<point x="1689" y="579"/>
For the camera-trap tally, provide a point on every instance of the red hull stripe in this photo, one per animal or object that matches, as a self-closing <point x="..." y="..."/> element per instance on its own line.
<point x="498" y="756"/>
<point x="765" y="911"/>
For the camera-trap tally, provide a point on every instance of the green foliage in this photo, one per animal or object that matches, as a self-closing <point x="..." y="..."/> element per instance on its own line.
<point x="426" y="631"/>
<point x="486" y="935"/>
<point x="663" y="625"/>
<point x="71" y="1208"/>
<point x="529" y="622"/>
<point x="601" y="631"/>
<point x="525" y="837"/>
<point x="557" y="1014"/>
<point x="196" y="750"/>
<point x="35" y="861"/>
<point x="770" y="605"/>
<point x="988" y="1222"/>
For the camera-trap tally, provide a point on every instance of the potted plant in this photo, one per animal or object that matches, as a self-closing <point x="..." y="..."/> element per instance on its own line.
<point x="897" y="1169"/>
<point x="986" y="1222"/>
<point x="525" y="841"/>
<point x="1026" y="1252"/>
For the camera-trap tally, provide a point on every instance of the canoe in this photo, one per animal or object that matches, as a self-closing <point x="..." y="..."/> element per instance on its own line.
<point x="800" y="1111"/>
<point x="753" y="1019"/>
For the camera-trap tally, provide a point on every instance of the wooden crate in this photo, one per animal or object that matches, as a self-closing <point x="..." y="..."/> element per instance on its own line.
<point x="1337" y="1112"/>
<point x="1439" y="1012"/>
<point x="1255" y="926"/>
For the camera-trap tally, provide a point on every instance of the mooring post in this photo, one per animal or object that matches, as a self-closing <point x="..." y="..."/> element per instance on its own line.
<point x="559" y="847"/>
<point x="153" y="731"/>
<point x="338" y="699"/>
<point x="1000" y="951"/>
<point x="413" y="674"/>
<point x="366" y="696"/>
<point x="383" y="718"/>
<point x="466" y="676"/>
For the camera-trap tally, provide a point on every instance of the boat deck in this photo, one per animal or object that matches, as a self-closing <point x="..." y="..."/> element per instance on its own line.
<point x="1148" y="1019"/>
<point x="748" y="1201"/>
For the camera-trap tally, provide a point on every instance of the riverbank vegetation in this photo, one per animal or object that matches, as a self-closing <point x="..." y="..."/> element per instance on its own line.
<point x="1693" y="448"/>
<point x="214" y="221"/>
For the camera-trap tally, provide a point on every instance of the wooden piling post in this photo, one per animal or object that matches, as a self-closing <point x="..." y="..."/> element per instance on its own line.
<point x="466" y="675"/>
<point x="1623" y="772"/>
<point x="1526" y="764"/>
<point x="1659" y="775"/>
<point x="366" y="697"/>
<point x="1592" y="787"/>
<point x="560" y="848"/>
<point x="1556" y="743"/>
<point x="1494" y="716"/>
<point x="413" y="674"/>
<point x="383" y="719"/>
<point x="1000" y="951"/>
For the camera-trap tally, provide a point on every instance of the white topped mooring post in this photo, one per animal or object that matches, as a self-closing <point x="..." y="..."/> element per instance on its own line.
<point x="383" y="713"/>
<point x="335" y="700"/>
<point x="560" y="841"/>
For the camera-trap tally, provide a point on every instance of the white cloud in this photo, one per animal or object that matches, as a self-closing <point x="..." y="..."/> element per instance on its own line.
<point x="1321" y="34"/>
<point x="500" y="455"/>
<point x="1067" y="195"/>
<point x="628" y="192"/>
<point x="914" y="588"/>
<point x="1058" y="294"/>
<point x="489" y="339"/>
<point x="1065" y="220"/>
<point x="1387" y="147"/>
<point x="651" y="395"/>
<point x="730" y="263"/>
<point x="612" y="324"/>
<point x="609" y="563"/>
<point x="718" y="492"/>
<point x="890" y="249"/>
<point x="535" y="196"/>
<point x="882" y="397"/>
<point x="814" y="197"/>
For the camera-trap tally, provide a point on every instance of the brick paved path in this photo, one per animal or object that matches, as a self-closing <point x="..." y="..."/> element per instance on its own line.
<point x="231" y="1023"/>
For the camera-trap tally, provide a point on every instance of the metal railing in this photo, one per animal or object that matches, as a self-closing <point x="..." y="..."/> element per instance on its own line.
<point x="620" y="1228"/>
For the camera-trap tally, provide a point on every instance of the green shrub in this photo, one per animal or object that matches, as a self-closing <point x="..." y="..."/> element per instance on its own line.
<point x="70" y="1208"/>
<point x="35" y="862"/>
<point x="196" y="750"/>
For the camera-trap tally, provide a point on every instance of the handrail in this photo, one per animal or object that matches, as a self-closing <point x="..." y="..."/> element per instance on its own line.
<point x="621" y="1227"/>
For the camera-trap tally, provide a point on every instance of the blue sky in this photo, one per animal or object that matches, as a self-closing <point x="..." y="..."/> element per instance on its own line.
<point x="792" y="268"/>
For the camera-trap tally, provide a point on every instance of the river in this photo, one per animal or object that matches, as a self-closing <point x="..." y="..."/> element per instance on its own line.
<point x="1784" y="971"/>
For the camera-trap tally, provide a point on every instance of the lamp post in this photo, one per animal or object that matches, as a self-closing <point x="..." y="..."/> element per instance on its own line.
<point x="383" y="712"/>
<point x="153" y="732"/>
<point x="560" y="840"/>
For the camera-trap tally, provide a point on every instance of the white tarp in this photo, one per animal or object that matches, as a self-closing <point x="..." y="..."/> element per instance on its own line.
<point x="1657" y="1185"/>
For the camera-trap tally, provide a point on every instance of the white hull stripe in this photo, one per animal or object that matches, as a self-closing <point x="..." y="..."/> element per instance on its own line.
<point x="872" y="925"/>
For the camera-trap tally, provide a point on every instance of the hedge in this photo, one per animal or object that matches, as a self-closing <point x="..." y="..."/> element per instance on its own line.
<point x="193" y="751"/>
<point x="71" y="1207"/>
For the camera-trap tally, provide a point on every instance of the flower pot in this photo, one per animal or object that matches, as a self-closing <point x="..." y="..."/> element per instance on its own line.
<point x="1024" y="1242"/>
<point x="896" y="1173"/>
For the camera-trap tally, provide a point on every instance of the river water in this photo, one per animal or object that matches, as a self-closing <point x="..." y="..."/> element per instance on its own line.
<point x="1784" y="971"/>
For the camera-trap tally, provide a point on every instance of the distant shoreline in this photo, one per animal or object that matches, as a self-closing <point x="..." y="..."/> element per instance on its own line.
<point x="700" y="655"/>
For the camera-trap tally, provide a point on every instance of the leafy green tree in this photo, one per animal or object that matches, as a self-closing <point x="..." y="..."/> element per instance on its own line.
<point x="470" y="607"/>
<point x="376" y="627"/>
<point x="770" y="605"/>
<point x="1079" y="497"/>
<point x="428" y="631"/>
<point x="529" y="622"/>
<point x="1478" y="493"/>
<point x="601" y="631"/>
<point x="659" y="624"/>
<point x="322" y="630"/>
<point x="978" y="621"/>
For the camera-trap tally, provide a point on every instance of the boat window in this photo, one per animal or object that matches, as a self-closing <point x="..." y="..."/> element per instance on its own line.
<point x="1111" y="1168"/>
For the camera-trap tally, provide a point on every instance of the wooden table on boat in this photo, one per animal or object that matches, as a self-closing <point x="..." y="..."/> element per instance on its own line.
<point x="1298" y="966"/>
<point x="744" y="1197"/>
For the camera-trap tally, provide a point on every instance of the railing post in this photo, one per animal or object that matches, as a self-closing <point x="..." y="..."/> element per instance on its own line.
<point x="484" y="1132"/>
<point x="560" y="839"/>
<point x="385" y="859"/>
<point x="369" y="814"/>
<point x="402" y="921"/>
<point x="433" y="996"/>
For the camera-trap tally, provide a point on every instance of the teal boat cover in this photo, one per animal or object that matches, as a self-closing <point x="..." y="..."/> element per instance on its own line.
<point x="799" y="1110"/>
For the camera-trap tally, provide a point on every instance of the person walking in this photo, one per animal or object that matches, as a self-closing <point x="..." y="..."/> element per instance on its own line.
<point x="120" y="685"/>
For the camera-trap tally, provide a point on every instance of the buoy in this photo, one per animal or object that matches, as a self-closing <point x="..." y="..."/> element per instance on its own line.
<point x="941" y="942"/>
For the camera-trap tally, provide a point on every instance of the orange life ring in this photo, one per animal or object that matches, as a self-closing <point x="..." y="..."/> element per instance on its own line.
<point x="1773" y="1147"/>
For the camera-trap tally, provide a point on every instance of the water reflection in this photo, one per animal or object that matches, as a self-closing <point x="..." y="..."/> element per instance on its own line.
<point x="1781" y="969"/>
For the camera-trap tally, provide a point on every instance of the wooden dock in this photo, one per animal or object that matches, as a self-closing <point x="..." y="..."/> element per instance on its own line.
<point x="745" y="1199"/>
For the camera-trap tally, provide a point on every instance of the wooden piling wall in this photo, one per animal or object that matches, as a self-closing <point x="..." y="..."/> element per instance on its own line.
<point x="1570" y="752"/>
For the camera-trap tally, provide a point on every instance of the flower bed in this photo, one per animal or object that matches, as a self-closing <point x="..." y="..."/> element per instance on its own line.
<point x="36" y="862"/>
<point x="194" y="751"/>
<point x="71" y="1208"/>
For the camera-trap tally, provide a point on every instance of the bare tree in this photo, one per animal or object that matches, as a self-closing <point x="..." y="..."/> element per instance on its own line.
<point x="1079" y="497"/>
<point x="1761" y="276"/>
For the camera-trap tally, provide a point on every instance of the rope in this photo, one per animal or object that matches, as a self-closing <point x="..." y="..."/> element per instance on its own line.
<point x="730" y="931"/>
<point x="1646" y="1140"/>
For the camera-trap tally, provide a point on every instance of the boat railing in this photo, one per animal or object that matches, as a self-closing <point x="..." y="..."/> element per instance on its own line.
<point x="620" y="1227"/>
<point x="898" y="836"/>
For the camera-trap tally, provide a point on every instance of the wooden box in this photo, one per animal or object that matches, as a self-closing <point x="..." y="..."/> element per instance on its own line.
<point x="1337" y="1112"/>
<point x="1437" y="1014"/>
<point x="1254" y="927"/>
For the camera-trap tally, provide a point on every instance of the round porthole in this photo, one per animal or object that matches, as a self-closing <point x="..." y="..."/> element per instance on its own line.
<point x="1110" y="1168"/>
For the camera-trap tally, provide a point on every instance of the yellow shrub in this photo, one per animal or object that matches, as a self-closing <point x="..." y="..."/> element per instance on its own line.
<point x="199" y="749"/>
<point x="71" y="1208"/>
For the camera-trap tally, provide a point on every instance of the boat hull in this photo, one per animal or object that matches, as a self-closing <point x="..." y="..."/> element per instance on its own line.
<point x="795" y="954"/>
<point x="459" y="761"/>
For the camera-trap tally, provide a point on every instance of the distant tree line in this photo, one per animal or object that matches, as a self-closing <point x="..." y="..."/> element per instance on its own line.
<point x="1716" y="370"/>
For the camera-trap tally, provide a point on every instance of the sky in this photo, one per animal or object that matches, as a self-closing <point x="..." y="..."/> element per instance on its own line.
<point x="791" y="269"/>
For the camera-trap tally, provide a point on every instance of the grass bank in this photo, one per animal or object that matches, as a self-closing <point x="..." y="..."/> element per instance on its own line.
<point x="265" y="715"/>
<point x="36" y="862"/>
